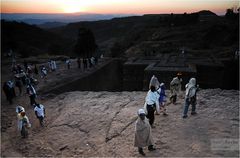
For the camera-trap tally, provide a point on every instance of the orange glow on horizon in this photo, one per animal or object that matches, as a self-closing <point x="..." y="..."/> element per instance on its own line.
<point x="115" y="6"/>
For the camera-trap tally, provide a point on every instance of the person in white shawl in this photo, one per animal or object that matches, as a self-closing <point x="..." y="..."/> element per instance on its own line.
<point x="154" y="82"/>
<point x="53" y="65"/>
<point x="19" y="109"/>
<point x="190" y="97"/>
<point x="143" y="133"/>
<point x="23" y="121"/>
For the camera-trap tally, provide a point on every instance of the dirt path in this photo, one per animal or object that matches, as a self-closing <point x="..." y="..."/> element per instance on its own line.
<point x="8" y="114"/>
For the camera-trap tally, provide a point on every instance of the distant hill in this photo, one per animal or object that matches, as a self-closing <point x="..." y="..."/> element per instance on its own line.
<point x="49" y="25"/>
<point x="30" y="40"/>
<point x="39" y="19"/>
<point x="198" y="33"/>
<point x="206" y="13"/>
<point x="203" y="31"/>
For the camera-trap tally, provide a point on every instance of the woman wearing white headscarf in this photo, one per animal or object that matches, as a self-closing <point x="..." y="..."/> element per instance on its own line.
<point x="190" y="97"/>
<point x="143" y="133"/>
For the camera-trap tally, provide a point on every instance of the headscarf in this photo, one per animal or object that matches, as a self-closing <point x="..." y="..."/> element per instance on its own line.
<point x="154" y="82"/>
<point x="191" y="88"/>
<point x="141" y="111"/>
<point x="192" y="81"/>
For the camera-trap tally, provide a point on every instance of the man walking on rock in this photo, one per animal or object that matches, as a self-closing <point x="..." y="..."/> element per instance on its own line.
<point x="151" y="104"/>
<point x="40" y="113"/>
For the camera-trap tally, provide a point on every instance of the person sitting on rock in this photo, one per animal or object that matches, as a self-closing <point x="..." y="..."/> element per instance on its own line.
<point x="143" y="133"/>
<point x="162" y="98"/>
<point x="190" y="97"/>
<point x="151" y="104"/>
<point x="40" y="113"/>
<point x="175" y="87"/>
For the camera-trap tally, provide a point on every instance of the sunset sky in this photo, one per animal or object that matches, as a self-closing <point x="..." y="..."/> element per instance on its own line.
<point x="116" y="6"/>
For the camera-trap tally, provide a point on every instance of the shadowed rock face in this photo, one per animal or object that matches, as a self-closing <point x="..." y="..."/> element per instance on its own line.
<point x="102" y="124"/>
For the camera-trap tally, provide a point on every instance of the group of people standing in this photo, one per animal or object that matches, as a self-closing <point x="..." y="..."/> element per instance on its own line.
<point x="155" y="101"/>
<point x="24" y="76"/>
<point x="83" y="63"/>
<point x="86" y="63"/>
<point x="21" y="78"/>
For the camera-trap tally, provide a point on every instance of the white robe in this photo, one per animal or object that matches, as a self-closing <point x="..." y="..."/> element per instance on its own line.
<point x="175" y="86"/>
<point x="143" y="133"/>
<point x="154" y="82"/>
<point x="53" y="65"/>
<point x="20" y="121"/>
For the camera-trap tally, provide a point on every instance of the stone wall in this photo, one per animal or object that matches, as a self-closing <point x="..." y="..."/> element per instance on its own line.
<point x="210" y="76"/>
<point x="108" y="78"/>
<point x="133" y="76"/>
<point x="231" y="74"/>
<point x="209" y="72"/>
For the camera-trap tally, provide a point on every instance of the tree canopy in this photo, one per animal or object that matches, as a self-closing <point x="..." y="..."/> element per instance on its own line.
<point x="86" y="45"/>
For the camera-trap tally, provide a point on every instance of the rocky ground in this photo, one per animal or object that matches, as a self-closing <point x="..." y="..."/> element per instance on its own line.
<point x="96" y="124"/>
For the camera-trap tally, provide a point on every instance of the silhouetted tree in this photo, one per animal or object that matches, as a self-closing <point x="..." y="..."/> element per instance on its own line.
<point x="85" y="46"/>
<point x="231" y="14"/>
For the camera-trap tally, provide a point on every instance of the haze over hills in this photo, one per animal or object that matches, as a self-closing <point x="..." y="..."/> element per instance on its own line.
<point x="38" y="19"/>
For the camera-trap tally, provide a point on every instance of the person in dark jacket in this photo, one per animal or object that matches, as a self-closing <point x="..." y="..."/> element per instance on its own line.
<point x="32" y="94"/>
<point x="35" y="69"/>
<point x="7" y="91"/>
<point x="18" y="84"/>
